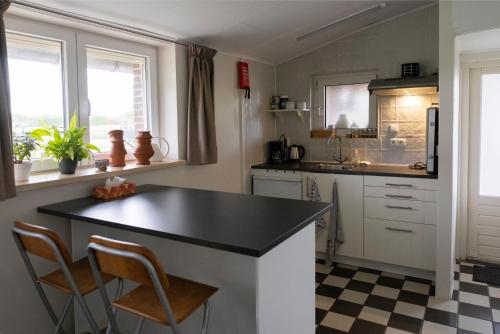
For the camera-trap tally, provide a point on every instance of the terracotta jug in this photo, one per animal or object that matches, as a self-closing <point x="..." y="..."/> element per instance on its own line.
<point x="143" y="150"/>
<point x="118" y="152"/>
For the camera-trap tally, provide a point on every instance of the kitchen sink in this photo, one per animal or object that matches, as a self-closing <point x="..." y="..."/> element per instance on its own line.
<point x="334" y="166"/>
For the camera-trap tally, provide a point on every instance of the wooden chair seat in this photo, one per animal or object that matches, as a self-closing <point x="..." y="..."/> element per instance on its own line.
<point x="82" y="274"/>
<point x="184" y="296"/>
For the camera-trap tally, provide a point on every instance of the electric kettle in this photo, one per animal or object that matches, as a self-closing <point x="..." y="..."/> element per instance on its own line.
<point x="297" y="152"/>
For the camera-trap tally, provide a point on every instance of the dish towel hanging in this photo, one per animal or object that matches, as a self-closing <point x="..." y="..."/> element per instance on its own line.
<point x="314" y="196"/>
<point x="336" y="232"/>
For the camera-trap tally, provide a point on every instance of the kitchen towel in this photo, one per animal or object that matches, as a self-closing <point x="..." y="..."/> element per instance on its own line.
<point x="336" y="232"/>
<point x="314" y="196"/>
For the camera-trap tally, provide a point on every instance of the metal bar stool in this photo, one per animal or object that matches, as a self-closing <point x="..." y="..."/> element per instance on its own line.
<point x="167" y="300"/>
<point x="73" y="278"/>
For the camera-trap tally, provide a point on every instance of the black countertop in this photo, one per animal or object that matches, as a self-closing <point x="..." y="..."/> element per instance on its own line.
<point x="245" y="224"/>
<point x="375" y="170"/>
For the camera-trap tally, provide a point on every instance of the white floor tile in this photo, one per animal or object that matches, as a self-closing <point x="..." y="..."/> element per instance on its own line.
<point x="468" y="278"/>
<point x="434" y="328"/>
<point x="496" y="315"/>
<point x="384" y="291"/>
<point x="337" y="281"/>
<point x="353" y="296"/>
<point x="347" y="266"/>
<point x="494" y="292"/>
<point x="398" y="276"/>
<point x="472" y="298"/>
<point x="375" y="315"/>
<point x="338" y="321"/>
<point x="391" y="330"/>
<point x="366" y="277"/>
<point x="475" y="325"/>
<point x="323" y="302"/>
<point x="411" y="310"/>
<point x="416" y="287"/>
<point x="443" y="305"/>
<point x="323" y="268"/>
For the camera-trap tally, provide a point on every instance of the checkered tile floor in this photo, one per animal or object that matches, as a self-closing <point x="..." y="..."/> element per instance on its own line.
<point x="365" y="301"/>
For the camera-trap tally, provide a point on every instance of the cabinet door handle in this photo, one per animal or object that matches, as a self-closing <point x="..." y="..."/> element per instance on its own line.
<point x="399" y="207"/>
<point x="398" y="230"/>
<point x="399" y="185"/>
<point x="399" y="196"/>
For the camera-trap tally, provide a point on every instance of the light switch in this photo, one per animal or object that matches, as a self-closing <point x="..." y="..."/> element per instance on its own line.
<point x="394" y="127"/>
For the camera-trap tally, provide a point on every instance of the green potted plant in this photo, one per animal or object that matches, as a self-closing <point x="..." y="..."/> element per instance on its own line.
<point x="66" y="147"/>
<point x="23" y="146"/>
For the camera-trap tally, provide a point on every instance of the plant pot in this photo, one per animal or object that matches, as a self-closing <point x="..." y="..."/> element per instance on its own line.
<point x="68" y="166"/>
<point x="22" y="171"/>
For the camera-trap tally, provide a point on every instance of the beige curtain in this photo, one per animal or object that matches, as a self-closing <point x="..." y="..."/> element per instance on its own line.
<point x="201" y="139"/>
<point x="7" y="183"/>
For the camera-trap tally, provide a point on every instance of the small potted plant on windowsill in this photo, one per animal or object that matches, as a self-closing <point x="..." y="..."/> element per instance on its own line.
<point x="66" y="147"/>
<point x="23" y="146"/>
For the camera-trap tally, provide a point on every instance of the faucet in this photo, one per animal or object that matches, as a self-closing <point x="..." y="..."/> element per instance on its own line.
<point x="338" y="140"/>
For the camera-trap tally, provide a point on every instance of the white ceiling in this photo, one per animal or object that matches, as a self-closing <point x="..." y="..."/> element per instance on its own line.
<point x="262" y="30"/>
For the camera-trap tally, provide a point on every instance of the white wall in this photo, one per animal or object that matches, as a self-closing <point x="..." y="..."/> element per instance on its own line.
<point x="21" y="311"/>
<point x="381" y="48"/>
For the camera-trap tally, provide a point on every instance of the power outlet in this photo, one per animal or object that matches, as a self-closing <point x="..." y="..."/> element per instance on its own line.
<point x="399" y="142"/>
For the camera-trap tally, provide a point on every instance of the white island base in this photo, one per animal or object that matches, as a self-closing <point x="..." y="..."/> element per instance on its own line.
<point x="271" y="294"/>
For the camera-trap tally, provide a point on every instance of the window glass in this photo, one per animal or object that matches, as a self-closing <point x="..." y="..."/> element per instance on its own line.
<point x="117" y="94"/>
<point x="350" y="100"/>
<point x="489" y="182"/>
<point x="36" y="82"/>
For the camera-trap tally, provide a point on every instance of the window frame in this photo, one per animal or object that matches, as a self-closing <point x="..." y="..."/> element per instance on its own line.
<point x="74" y="44"/>
<point x="337" y="79"/>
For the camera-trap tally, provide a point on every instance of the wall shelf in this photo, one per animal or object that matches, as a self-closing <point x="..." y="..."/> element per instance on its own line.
<point x="278" y="113"/>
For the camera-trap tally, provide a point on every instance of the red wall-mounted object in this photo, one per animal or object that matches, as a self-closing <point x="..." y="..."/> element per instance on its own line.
<point x="243" y="75"/>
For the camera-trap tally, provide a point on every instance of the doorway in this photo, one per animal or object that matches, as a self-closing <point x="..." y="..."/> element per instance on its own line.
<point x="483" y="198"/>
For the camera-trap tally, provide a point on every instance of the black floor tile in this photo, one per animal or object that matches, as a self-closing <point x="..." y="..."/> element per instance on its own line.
<point x="328" y="330"/>
<point x="456" y="275"/>
<point x="360" y="286"/>
<point x="320" y="314"/>
<point x="390" y="282"/>
<point x="418" y="280"/>
<point x="495" y="303"/>
<point x="371" y="271"/>
<point x="329" y="291"/>
<point x="346" y="308"/>
<point x="475" y="311"/>
<point x="364" y="327"/>
<point x="466" y="269"/>
<point x="413" y="298"/>
<point x="405" y="323"/>
<point x="441" y="317"/>
<point x="474" y="288"/>
<point x="343" y="272"/>
<point x="454" y="295"/>
<point x="379" y="302"/>
<point x="463" y="331"/>
<point x="320" y="277"/>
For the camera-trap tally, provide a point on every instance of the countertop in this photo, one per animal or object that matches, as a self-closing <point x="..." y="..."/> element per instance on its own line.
<point x="244" y="224"/>
<point x="376" y="170"/>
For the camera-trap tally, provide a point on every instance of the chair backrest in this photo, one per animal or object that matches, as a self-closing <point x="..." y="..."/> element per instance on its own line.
<point x="122" y="265"/>
<point x="34" y="243"/>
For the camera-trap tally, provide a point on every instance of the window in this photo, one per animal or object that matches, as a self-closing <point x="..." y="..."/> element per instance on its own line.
<point x="36" y="82"/>
<point x="55" y="71"/>
<point x="124" y="106"/>
<point x="345" y="97"/>
<point x="349" y="100"/>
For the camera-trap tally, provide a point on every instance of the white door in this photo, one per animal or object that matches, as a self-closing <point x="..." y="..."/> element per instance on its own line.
<point x="484" y="165"/>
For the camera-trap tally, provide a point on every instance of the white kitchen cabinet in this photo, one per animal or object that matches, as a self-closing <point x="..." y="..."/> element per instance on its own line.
<point x="350" y="191"/>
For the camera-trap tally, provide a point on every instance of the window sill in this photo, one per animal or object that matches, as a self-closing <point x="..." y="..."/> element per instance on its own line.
<point x="83" y="174"/>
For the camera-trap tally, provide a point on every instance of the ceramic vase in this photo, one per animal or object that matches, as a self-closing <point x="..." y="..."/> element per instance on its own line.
<point x="118" y="151"/>
<point x="22" y="171"/>
<point x="68" y="166"/>
<point x="143" y="149"/>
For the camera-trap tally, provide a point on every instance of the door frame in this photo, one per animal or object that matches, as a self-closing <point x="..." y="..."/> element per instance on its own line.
<point x="469" y="62"/>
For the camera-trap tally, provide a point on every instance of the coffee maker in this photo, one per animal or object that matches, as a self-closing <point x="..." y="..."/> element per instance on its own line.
<point x="278" y="150"/>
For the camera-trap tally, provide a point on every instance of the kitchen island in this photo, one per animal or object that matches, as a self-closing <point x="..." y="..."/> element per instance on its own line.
<point x="259" y="251"/>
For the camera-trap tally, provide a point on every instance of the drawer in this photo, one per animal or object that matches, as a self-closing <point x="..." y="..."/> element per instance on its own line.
<point x="401" y="182"/>
<point x="401" y="210"/>
<point x="394" y="242"/>
<point x="401" y="193"/>
<point x="275" y="187"/>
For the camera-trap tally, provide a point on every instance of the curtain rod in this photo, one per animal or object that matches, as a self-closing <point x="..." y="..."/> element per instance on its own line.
<point x="103" y="23"/>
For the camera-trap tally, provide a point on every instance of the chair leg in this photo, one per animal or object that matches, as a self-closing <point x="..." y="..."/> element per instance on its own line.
<point x="37" y="284"/>
<point x="139" y="326"/>
<point x="63" y="314"/>
<point x="206" y="315"/>
<point x="118" y="293"/>
<point x="87" y="313"/>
